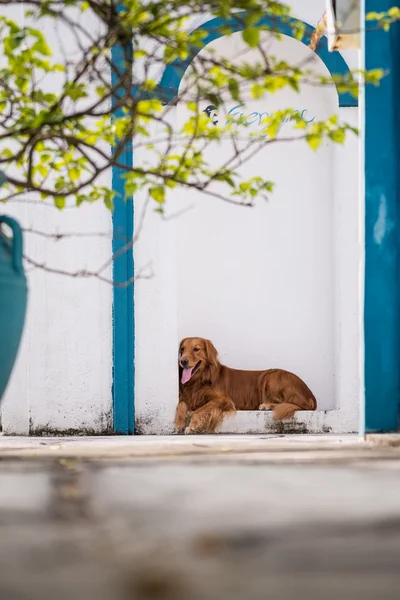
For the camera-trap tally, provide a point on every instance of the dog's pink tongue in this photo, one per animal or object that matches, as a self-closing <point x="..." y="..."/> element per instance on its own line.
<point x="186" y="375"/>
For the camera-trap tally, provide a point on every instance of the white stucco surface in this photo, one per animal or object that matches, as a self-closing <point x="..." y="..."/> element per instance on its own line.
<point x="62" y="377"/>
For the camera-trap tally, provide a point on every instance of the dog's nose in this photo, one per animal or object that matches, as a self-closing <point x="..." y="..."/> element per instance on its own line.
<point x="184" y="362"/>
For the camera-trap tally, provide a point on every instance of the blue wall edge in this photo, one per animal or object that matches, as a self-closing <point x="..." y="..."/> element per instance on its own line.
<point x="381" y="49"/>
<point x="123" y="313"/>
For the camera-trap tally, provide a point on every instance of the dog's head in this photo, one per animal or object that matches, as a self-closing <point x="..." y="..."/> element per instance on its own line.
<point x="198" y="360"/>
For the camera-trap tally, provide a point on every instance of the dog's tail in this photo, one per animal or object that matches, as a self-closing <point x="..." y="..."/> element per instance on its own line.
<point x="286" y="410"/>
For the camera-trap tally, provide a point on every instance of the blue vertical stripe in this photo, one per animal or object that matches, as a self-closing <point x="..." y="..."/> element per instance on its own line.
<point x="382" y="228"/>
<point x="123" y="270"/>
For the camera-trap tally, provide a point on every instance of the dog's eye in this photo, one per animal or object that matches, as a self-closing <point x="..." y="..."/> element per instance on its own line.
<point x="196" y="349"/>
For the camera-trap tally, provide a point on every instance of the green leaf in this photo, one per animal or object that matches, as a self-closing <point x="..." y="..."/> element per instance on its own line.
<point x="75" y="91"/>
<point x="213" y="98"/>
<point x="22" y="84"/>
<point x="170" y="54"/>
<point x="42" y="47"/>
<point x="16" y="39"/>
<point x="148" y="85"/>
<point x="59" y="201"/>
<point x="101" y="90"/>
<point x="74" y="173"/>
<point x="158" y="194"/>
<point x="108" y="201"/>
<point x="338" y="136"/>
<point x="257" y="91"/>
<point x="251" y="36"/>
<point x="299" y="31"/>
<point x="314" y="141"/>
<point x="139" y="54"/>
<point x="272" y="129"/>
<point x="43" y="170"/>
<point x="394" y="12"/>
<point x="234" y="88"/>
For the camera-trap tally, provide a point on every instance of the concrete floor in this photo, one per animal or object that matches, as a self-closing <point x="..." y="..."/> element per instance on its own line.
<point x="199" y="518"/>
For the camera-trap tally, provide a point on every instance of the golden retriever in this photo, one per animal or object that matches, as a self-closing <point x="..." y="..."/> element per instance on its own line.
<point x="208" y="390"/>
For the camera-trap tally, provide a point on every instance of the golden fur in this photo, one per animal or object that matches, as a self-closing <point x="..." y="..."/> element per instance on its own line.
<point x="214" y="390"/>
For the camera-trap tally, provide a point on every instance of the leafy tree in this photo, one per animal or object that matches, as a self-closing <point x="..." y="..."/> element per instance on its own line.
<point x="60" y="115"/>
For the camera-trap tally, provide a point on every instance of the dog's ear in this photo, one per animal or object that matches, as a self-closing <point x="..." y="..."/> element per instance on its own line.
<point x="180" y="345"/>
<point x="212" y="359"/>
<point x="211" y="352"/>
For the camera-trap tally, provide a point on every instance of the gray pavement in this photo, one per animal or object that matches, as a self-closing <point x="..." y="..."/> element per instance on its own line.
<point x="199" y="518"/>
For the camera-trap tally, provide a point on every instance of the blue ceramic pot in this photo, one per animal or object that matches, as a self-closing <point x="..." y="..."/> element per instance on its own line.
<point x="13" y="297"/>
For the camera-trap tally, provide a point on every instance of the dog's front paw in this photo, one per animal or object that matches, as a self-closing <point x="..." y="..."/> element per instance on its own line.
<point x="190" y="430"/>
<point x="180" y="425"/>
<point x="265" y="406"/>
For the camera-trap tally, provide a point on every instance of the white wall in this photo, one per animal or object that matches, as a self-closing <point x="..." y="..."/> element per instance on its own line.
<point x="63" y="375"/>
<point x="272" y="286"/>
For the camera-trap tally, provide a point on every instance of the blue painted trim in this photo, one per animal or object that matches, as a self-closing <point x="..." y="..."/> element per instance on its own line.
<point x="382" y="229"/>
<point x="123" y="297"/>
<point x="218" y="27"/>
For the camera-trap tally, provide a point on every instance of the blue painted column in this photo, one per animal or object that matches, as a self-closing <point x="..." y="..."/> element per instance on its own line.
<point x="123" y="269"/>
<point x="381" y="132"/>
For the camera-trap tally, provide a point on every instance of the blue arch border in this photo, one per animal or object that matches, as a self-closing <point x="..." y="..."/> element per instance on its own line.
<point x="218" y="27"/>
<point x="123" y="326"/>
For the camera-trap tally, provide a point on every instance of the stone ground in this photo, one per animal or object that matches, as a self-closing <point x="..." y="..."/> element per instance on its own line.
<point x="199" y="518"/>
